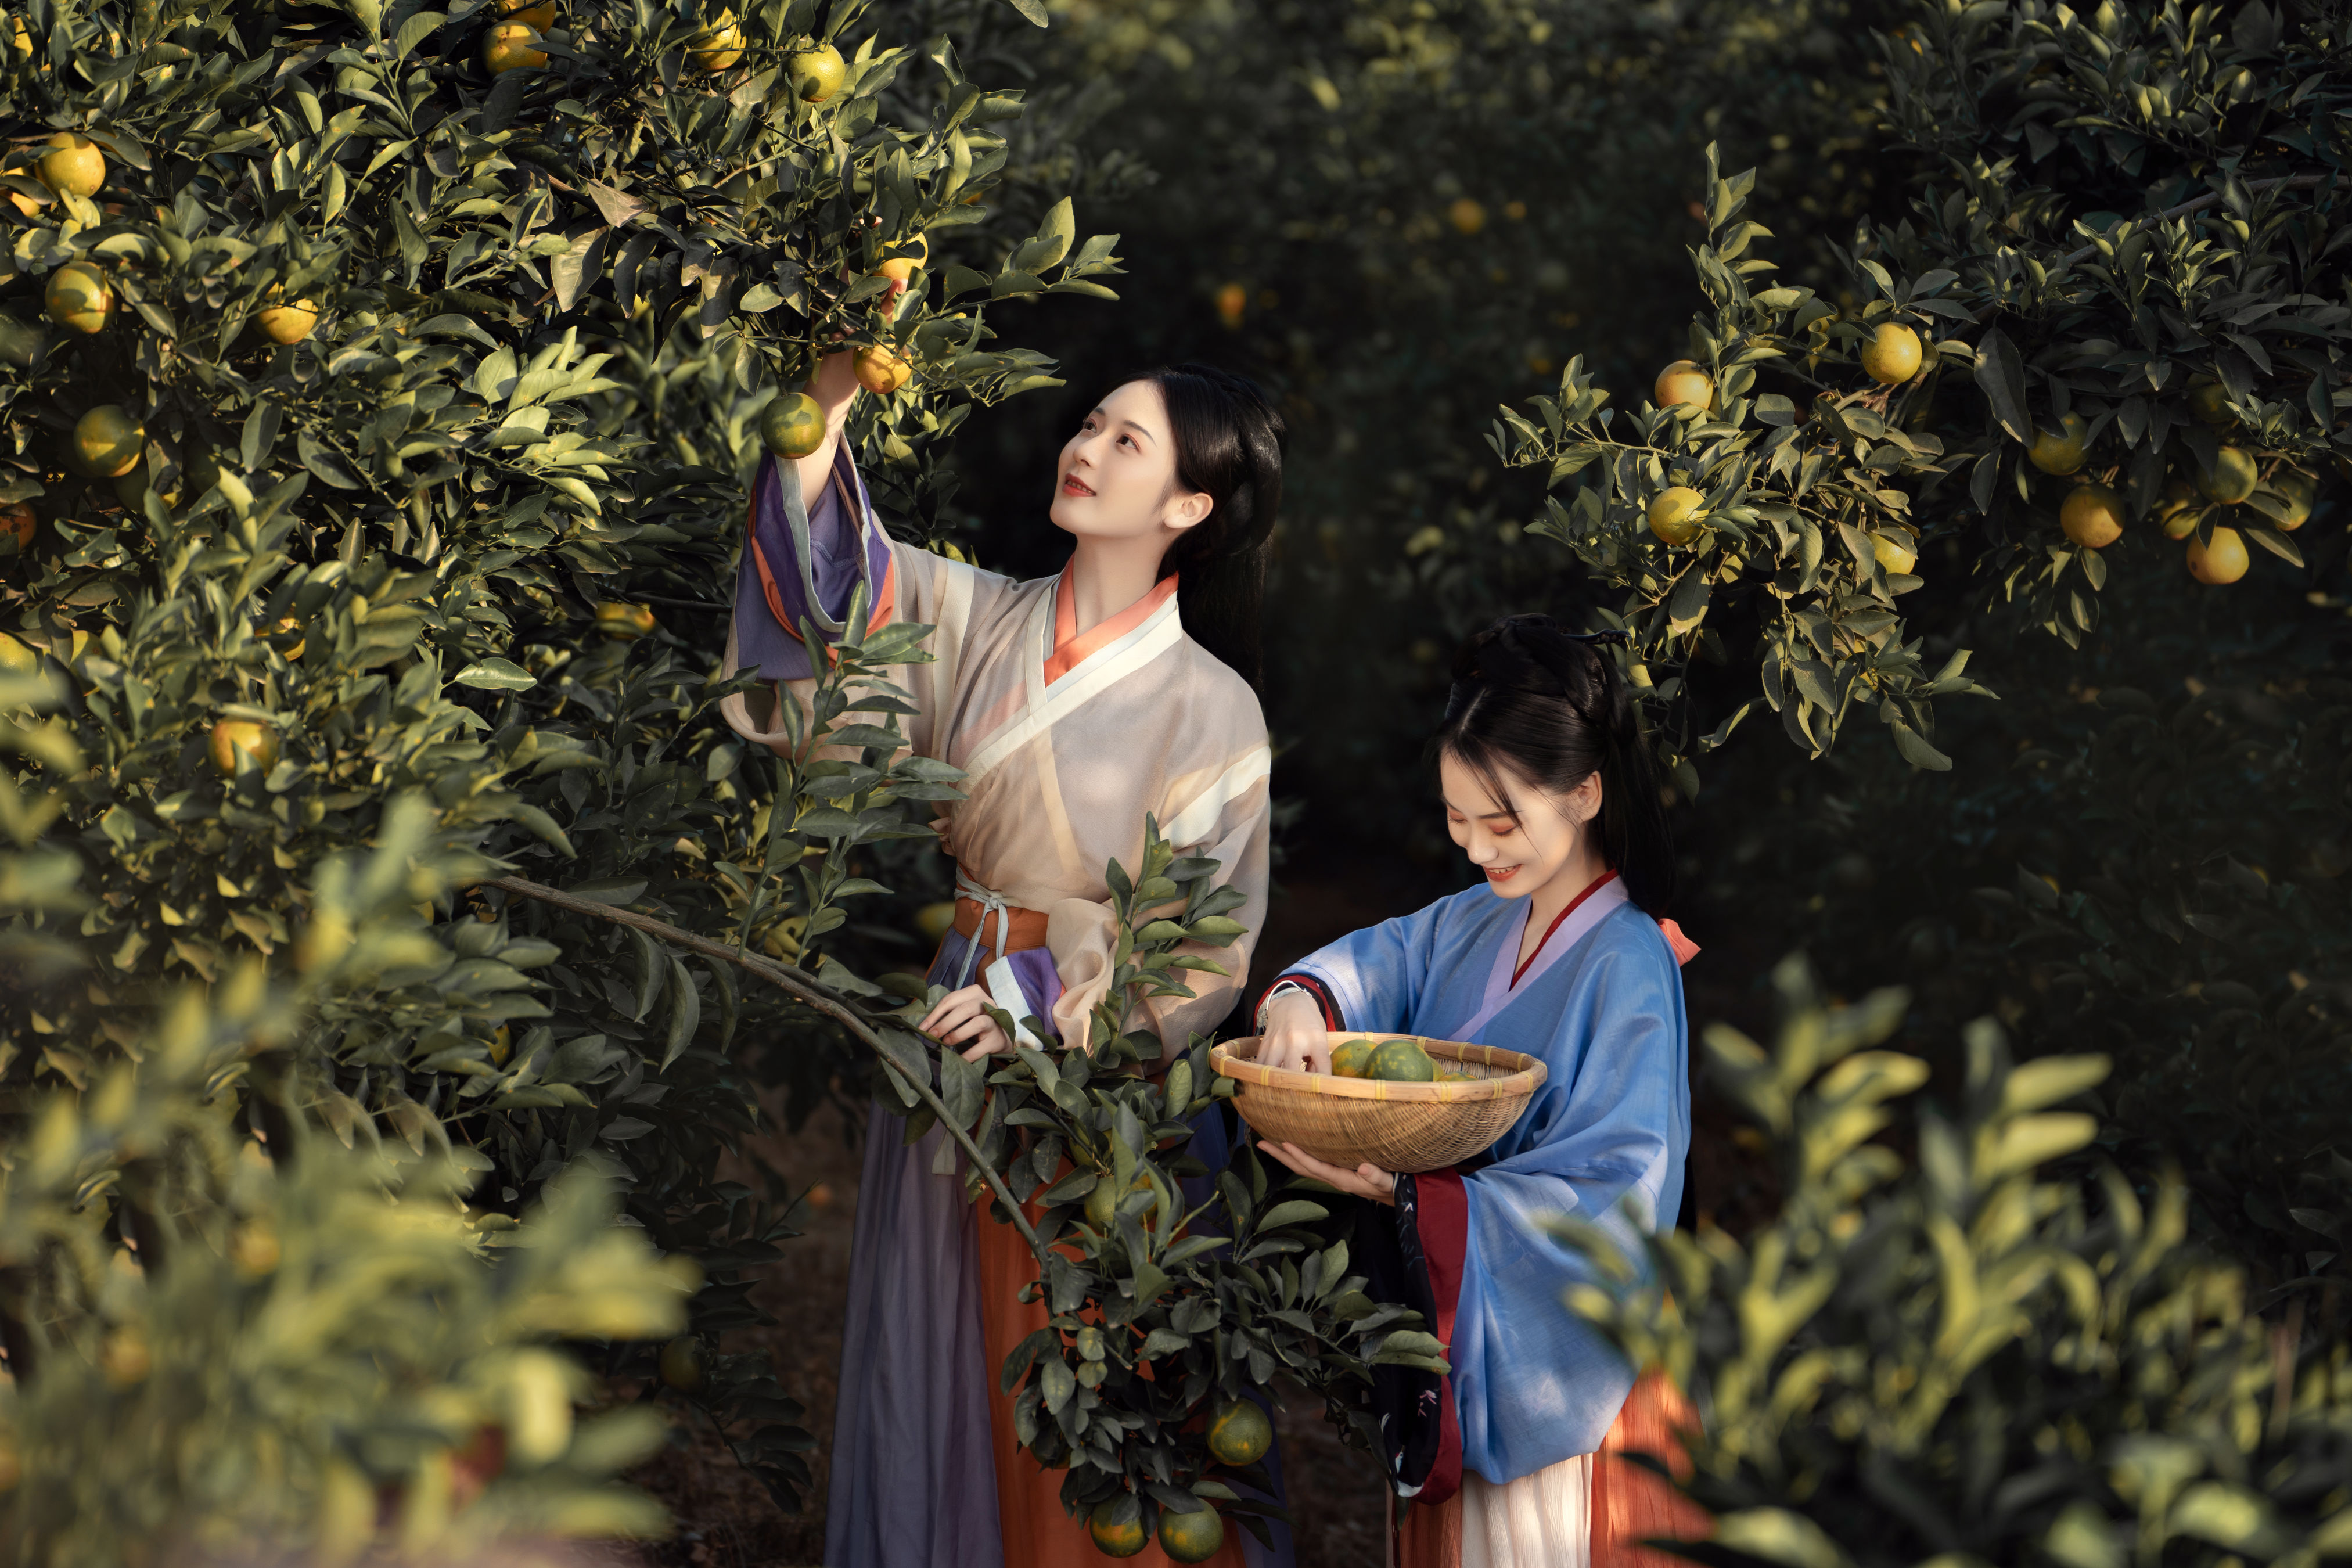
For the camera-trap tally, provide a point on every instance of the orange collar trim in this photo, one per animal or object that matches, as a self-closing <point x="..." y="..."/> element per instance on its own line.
<point x="1070" y="649"/>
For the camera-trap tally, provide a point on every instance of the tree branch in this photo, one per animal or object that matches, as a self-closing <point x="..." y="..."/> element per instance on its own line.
<point x="802" y="989"/>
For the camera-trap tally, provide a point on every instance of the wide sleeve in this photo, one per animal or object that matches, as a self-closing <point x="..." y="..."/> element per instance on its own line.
<point x="1604" y="1142"/>
<point x="1373" y="980"/>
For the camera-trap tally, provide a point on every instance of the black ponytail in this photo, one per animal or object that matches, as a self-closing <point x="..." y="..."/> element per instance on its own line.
<point x="1228" y="448"/>
<point x="1549" y="706"/>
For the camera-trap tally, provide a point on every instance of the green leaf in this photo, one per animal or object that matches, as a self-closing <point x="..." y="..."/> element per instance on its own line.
<point x="498" y="674"/>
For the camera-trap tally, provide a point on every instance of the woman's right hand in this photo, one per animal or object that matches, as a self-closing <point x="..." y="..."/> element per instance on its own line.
<point x="1295" y="1036"/>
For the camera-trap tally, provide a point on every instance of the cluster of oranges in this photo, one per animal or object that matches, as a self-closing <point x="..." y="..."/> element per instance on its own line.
<point x="512" y="44"/>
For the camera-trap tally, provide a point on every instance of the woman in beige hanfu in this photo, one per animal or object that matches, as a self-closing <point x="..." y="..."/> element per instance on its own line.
<point x="1074" y="704"/>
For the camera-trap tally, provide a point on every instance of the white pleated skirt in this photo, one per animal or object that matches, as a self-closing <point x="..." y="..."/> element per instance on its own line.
<point x="1542" y="1521"/>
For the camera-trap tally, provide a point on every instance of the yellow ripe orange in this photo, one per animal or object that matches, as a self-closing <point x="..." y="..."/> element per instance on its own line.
<point x="1895" y="549"/>
<point x="624" y="623"/>
<point x="899" y="269"/>
<point x="2060" y="454"/>
<point x="1893" y="354"/>
<point x="508" y="47"/>
<point x="2179" y="510"/>
<point x="1683" y="385"/>
<point x="18" y="658"/>
<point x="2093" y="516"/>
<point x="1113" y="1539"/>
<point x="1232" y="301"/>
<point x="1192" y="1537"/>
<point x="30" y="205"/>
<point x="287" y="323"/>
<point x="817" y="73"/>
<point x="793" y="425"/>
<point x="2231" y="478"/>
<point x="718" y="47"/>
<point x="882" y="371"/>
<point x="240" y="743"/>
<point x="539" y="16"/>
<point x="73" y="165"/>
<point x="19" y="520"/>
<point x="2300" y="491"/>
<point x="107" y="441"/>
<point x="1467" y="215"/>
<point x="2221" y="559"/>
<point x="1674" y="514"/>
<point x="77" y="297"/>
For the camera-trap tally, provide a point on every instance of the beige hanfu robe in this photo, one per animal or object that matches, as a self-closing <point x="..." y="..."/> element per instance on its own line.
<point x="1066" y="740"/>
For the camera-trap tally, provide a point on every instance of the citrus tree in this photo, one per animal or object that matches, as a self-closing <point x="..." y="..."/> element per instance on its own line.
<point x="377" y="386"/>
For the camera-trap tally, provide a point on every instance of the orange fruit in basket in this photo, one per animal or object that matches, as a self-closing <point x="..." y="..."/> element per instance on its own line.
<point x="1403" y="1061"/>
<point x="1352" y="1058"/>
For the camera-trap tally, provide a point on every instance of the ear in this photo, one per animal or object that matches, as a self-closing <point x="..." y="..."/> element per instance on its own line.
<point x="1187" y="509"/>
<point x="1583" y="801"/>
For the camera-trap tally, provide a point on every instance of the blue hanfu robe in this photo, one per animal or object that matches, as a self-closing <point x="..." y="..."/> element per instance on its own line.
<point x="1604" y="1140"/>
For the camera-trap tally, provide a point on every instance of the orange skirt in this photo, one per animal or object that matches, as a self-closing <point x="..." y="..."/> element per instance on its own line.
<point x="1037" y="1532"/>
<point x="1629" y="1504"/>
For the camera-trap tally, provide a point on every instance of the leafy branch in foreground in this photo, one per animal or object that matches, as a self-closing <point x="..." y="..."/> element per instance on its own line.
<point x="1977" y="1359"/>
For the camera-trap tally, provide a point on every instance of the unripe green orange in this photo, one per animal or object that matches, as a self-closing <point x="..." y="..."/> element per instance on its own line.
<point x="1352" y="1058"/>
<point x="2221" y="559"/>
<point x="1893" y="354"/>
<point x="624" y="623"/>
<point x="816" y="73"/>
<point x="77" y="297"/>
<point x="2209" y="400"/>
<point x="539" y="16"/>
<point x="1240" y="1434"/>
<point x="73" y="165"/>
<point x="1192" y="1537"/>
<point x="21" y="343"/>
<point x="793" y="425"/>
<point x="239" y="744"/>
<point x="1674" y="514"/>
<point x="107" y="441"/>
<point x="682" y="1364"/>
<point x="1402" y="1061"/>
<point x="17" y="658"/>
<point x="2093" y="516"/>
<point x="2300" y="491"/>
<point x="2060" y="454"/>
<point x="2231" y="478"/>
<point x="1683" y="385"/>
<point x="1111" y="1538"/>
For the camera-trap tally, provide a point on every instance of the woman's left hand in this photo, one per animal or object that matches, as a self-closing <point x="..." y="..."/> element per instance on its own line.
<point x="962" y="1019"/>
<point x="1364" y="1181"/>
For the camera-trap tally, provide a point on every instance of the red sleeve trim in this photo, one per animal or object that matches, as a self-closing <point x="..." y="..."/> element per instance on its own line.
<point x="1442" y="1215"/>
<point x="1316" y="989"/>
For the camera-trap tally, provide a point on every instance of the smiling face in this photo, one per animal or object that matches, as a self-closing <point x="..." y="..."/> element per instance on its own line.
<point x="1117" y="479"/>
<point x="1525" y="841"/>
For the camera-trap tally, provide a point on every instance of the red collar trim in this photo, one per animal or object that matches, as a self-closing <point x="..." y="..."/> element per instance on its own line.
<point x="1599" y="882"/>
<point x="1070" y="649"/>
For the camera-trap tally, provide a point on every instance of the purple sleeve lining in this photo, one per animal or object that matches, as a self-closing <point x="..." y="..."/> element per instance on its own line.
<point x="761" y="643"/>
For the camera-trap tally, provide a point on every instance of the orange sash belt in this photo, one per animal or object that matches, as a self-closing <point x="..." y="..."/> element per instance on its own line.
<point x="1009" y="931"/>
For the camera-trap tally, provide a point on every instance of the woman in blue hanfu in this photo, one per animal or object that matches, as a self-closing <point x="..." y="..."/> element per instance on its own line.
<point x="1075" y="704"/>
<point x="1559" y="953"/>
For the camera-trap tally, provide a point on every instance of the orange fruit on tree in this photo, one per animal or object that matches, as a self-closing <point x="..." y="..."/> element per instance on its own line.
<point x="1674" y="514"/>
<point x="77" y="297"/>
<point x="2231" y="479"/>
<point x="1683" y="385"/>
<point x="1112" y="1536"/>
<point x="881" y="370"/>
<point x="816" y="73"/>
<point x="287" y="323"/>
<point x="19" y="522"/>
<point x="1467" y="215"/>
<point x="1893" y="354"/>
<point x="1192" y="1537"/>
<point x="1895" y="549"/>
<point x="16" y="658"/>
<point x="718" y="47"/>
<point x="793" y="425"/>
<point x="2209" y="400"/>
<point x="2060" y="454"/>
<point x="21" y="341"/>
<point x="539" y="16"/>
<point x="684" y="1366"/>
<point x="73" y="165"/>
<point x="108" y="441"/>
<point x="2221" y="559"/>
<point x="1232" y="302"/>
<point x="1240" y="1434"/>
<point x="624" y="623"/>
<point x="507" y="47"/>
<point x="241" y="743"/>
<point x="2300" y="491"/>
<point x="2093" y="516"/>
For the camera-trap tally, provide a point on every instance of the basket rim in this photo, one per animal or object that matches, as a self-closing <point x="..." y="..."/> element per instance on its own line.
<point x="1527" y="1076"/>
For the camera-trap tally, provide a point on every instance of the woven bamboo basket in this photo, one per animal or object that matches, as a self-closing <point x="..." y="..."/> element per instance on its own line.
<point x="1350" y="1121"/>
